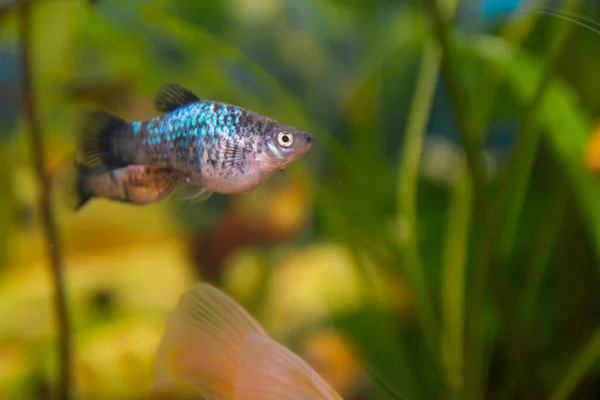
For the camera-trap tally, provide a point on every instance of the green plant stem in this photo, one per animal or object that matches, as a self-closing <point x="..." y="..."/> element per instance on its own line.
<point x="48" y="223"/>
<point x="491" y="79"/>
<point x="520" y="338"/>
<point x="528" y="139"/>
<point x="579" y="368"/>
<point x="519" y="334"/>
<point x="453" y="282"/>
<point x="509" y="198"/>
<point x="515" y="33"/>
<point x="469" y="137"/>
<point x="408" y="183"/>
<point x="550" y="222"/>
<point x="516" y="186"/>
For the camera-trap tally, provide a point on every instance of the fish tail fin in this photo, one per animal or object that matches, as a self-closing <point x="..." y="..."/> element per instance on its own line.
<point x="95" y="137"/>
<point x="72" y="187"/>
<point x="267" y="370"/>
<point x="202" y="338"/>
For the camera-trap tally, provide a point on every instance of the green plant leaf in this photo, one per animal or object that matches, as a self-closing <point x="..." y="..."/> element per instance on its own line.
<point x="567" y="125"/>
<point x="581" y="365"/>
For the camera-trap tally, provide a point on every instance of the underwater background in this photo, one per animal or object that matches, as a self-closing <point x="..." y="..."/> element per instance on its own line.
<point x="440" y="240"/>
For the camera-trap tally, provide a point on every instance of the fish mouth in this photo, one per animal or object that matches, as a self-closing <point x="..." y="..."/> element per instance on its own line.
<point x="308" y="142"/>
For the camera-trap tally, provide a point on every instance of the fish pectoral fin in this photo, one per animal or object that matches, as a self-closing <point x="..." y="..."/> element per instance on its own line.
<point x="175" y="175"/>
<point x="196" y="194"/>
<point x="236" y="155"/>
<point x="172" y="96"/>
<point x="168" y="189"/>
<point x="268" y="370"/>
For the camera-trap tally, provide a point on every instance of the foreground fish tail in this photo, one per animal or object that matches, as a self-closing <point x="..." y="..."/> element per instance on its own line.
<point x="95" y="139"/>
<point x="267" y="370"/>
<point x="72" y="186"/>
<point x="203" y="336"/>
<point x="212" y="342"/>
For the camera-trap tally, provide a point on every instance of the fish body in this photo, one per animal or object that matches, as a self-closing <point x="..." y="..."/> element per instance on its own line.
<point x="213" y="343"/>
<point x="134" y="184"/>
<point x="219" y="147"/>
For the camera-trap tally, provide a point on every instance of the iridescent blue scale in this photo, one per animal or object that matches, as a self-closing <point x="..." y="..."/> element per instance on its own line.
<point x="208" y="124"/>
<point x="135" y="127"/>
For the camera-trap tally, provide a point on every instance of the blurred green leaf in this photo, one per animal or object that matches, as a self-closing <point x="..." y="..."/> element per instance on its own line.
<point x="528" y="139"/>
<point x="7" y="203"/>
<point x="382" y="352"/>
<point x="549" y="223"/>
<point x="210" y="15"/>
<point x="580" y="366"/>
<point x="567" y="128"/>
<point x="454" y="281"/>
<point x="407" y="193"/>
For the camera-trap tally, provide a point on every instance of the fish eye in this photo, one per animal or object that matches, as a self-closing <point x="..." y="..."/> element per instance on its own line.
<point x="285" y="139"/>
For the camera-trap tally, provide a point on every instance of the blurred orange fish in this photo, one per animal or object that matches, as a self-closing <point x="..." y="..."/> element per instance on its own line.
<point x="134" y="184"/>
<point x="592" y="151"/>
<point x="212" y="342"/>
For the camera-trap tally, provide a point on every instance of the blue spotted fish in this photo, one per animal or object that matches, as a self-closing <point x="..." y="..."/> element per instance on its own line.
<point x="216" y="147"/>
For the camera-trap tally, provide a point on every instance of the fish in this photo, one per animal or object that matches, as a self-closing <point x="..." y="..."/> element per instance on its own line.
<point x="211" y="342"/>
<point x="133" y="184"/>
<point x="219" y="147"/>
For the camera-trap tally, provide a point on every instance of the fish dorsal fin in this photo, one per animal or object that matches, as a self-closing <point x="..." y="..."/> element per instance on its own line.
<point x="172" y="96"/>
<point x="267" y="370"/>
<point x="203" y="336"/>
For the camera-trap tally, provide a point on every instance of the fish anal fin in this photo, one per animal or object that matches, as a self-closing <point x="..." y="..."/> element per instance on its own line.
<point x="172" y="96"/>
<point x="148" y="184"/>
<point x="141" y="195"/>
<point x="203" y="336"/>
<point x="145" y="175"/>
<point x="267" y="370"/>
